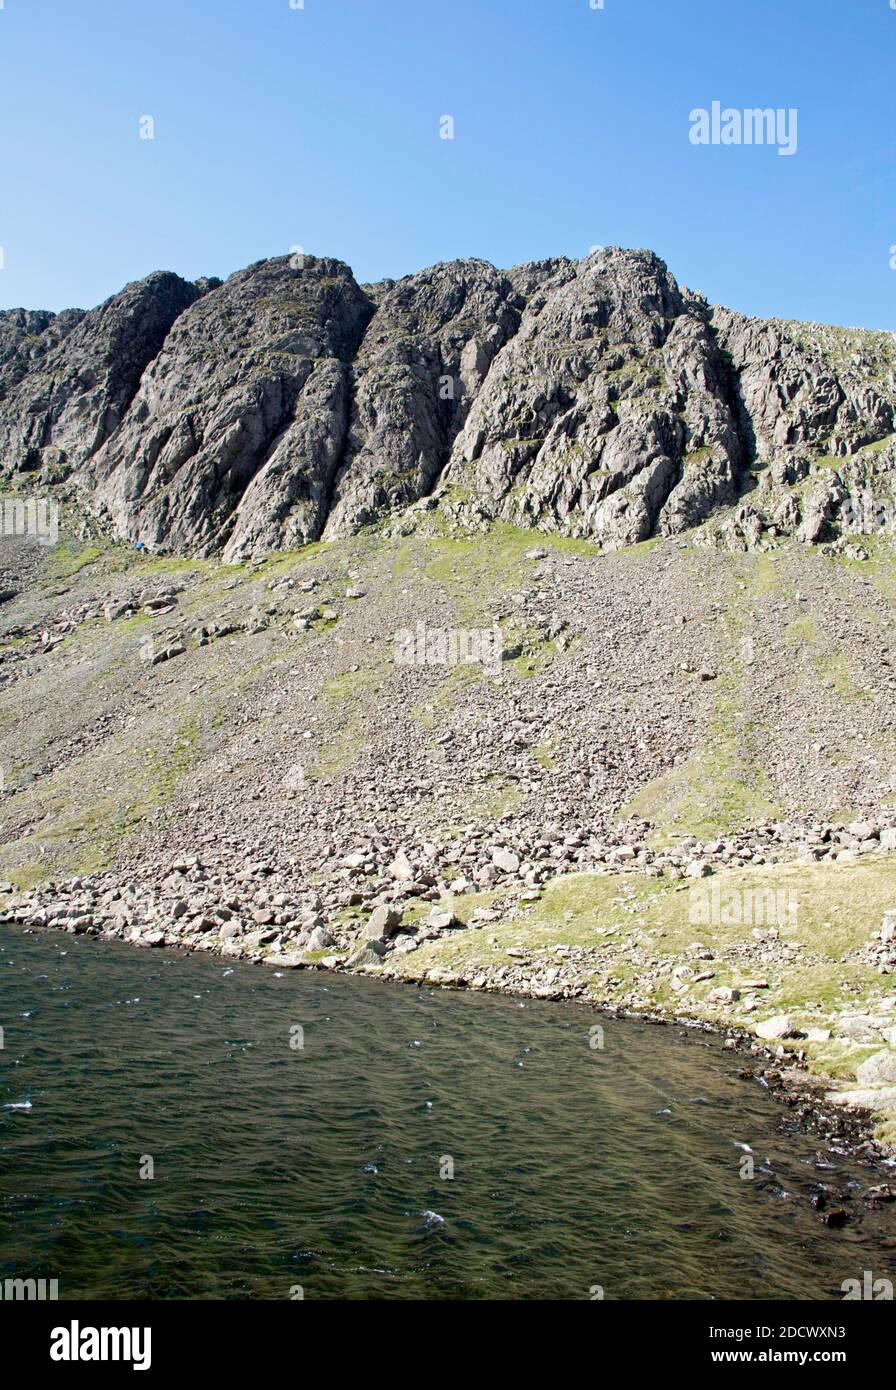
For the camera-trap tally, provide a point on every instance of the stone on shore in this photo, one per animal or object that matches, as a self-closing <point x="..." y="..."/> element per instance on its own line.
<point x="878" y="1070"/>
<point x="780" y="1026"/>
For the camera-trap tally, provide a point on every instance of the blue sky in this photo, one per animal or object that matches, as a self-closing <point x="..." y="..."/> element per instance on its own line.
<point x="319" y="127"/>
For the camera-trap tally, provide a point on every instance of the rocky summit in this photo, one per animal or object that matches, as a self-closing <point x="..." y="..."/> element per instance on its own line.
<point x="529" y="630"/>
<point x="595" y="399"/>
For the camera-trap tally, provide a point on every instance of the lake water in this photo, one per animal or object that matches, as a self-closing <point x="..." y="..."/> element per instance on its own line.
<point x="301" y="1130"/>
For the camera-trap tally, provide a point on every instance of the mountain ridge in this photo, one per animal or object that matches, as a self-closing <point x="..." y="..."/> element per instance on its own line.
<point x="596" y="399"/>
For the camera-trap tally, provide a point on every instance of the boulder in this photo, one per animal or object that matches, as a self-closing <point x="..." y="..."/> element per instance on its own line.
<point x="366" y="955"/>
<point x="442" y="919"/>
<point x="287" y="960"/>
<point x="878" y="1070"/>
<point x="401" y="868"/>
<point x="780" y="1026"/>
<point x="866" y="1098"/>
<point x="382" y="923"/>
<point x="320" y="939"/>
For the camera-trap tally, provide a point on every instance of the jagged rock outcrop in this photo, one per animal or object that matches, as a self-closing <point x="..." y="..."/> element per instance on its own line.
<point x="817" y="407"/>
<point x="423" y="360"/>
<point x="74" y="396"/>
<point x="26" y="336"/>
<point x="235" y="435"/>
<point x="593" y="398"/>
<point x="801" y="385"/>
<point x="609" y="415"/>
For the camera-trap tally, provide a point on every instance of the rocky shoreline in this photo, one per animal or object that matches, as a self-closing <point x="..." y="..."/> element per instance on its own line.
<point x="249" y="913"/>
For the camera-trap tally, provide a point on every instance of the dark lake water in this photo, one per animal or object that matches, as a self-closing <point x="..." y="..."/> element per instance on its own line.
<point x="324" y="1166"/>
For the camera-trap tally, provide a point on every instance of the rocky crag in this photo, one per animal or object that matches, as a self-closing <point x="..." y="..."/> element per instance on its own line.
<point x="594" y="399"/>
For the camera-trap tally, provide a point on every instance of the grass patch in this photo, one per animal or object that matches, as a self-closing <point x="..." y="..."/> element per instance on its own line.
<point x="721" y="788"/>
<point x="477" y="570"/>
<point x="430" y="713"/>
<point x="490" y="802"/>
<point x="68" y="558"/>
<point x="636" y="930"/>
<point x="85" y="840"/>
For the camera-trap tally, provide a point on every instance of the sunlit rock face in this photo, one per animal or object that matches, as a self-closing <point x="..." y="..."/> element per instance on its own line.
<point x="596" y="399"/>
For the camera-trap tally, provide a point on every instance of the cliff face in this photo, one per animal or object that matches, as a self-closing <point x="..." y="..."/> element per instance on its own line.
<point x="595" y="399"/>
<point x="234" y="436"/>
<point x="70" y="378"/>
<point x="422" y="364"/>
<point x="611" y="413"/>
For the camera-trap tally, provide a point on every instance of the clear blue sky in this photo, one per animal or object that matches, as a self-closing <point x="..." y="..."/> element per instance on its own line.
<point x="320" y="127"/>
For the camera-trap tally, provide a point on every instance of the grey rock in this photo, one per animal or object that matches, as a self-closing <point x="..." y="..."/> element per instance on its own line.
<point x="401" y="868"/>
<point x="860" y="1027"/>
<point x="167" y="653"/>
<point x="505" y="860"/>
<point x="723" y="995"/>
<point x="234" y="437"/>
<point x="388" y="918"/>
<point x="865" y="1098"/>
<point x="75" y="395"/>
<point x="595" y="399"/>
<point x="441" y="919"/>
<point x="780" y="1026"/>
<point x="320" y="939"/>
<point x="878" y="1070"/>
<point x="26" y="338"/>
<point x="286" y="960"/>
<point x="381" y="923"/>
<point x="424" y="357"/>
<point x="370" y="953"/>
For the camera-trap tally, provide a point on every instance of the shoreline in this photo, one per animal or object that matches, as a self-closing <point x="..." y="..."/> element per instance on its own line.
<point x="806" y="1001"/>
<point x="780" y="1073"/>
<point x="806" y="1094"/>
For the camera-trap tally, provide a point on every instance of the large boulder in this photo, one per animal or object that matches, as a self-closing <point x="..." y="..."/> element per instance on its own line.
<point x="878" y="1070"/>
<point x="781" y="1026"/>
